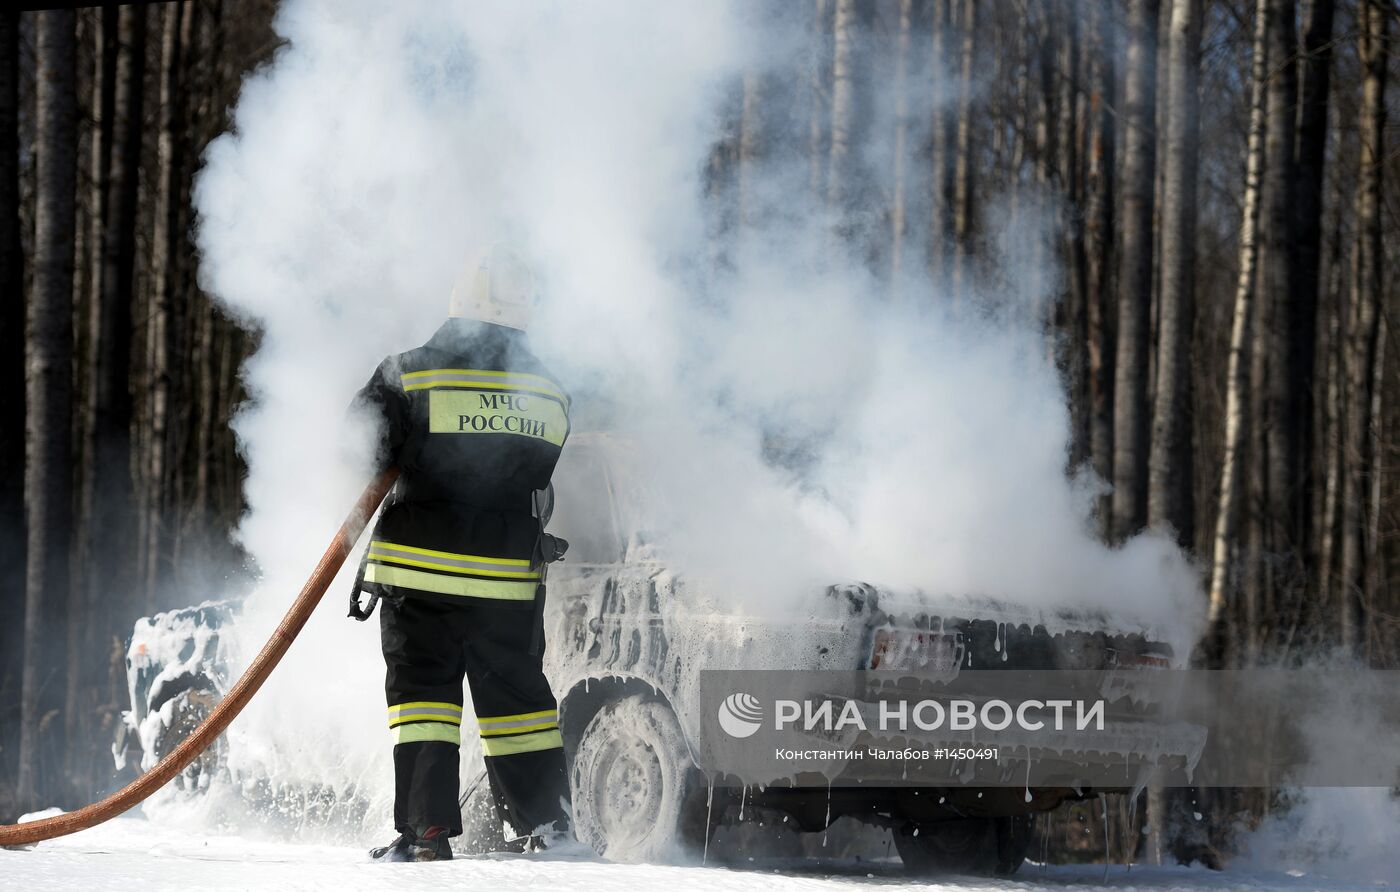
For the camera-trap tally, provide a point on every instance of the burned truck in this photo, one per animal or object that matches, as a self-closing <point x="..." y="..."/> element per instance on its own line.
<point x="627" y="640"/>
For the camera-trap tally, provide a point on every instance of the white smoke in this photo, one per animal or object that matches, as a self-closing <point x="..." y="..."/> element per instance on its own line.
<point x="1345" y="833"/>
<point x="387" y="139"/>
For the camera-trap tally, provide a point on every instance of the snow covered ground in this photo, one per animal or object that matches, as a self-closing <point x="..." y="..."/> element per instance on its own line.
<point x="133" y="853"/>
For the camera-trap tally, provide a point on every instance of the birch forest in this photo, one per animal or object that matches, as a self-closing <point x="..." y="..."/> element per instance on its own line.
<point x="1222" y="179"/>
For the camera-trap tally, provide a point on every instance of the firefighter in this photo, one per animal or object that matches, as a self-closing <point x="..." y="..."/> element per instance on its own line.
<point x="476" y="424"/>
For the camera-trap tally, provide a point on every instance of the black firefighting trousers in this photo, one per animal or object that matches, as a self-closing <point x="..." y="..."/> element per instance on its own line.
<point x="428" y="647"/>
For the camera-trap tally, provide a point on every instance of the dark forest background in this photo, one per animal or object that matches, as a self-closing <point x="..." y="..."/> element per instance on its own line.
<point x="1223" y="180"/>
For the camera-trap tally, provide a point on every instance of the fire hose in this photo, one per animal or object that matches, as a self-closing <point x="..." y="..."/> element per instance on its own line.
<point x="232" y="704"/>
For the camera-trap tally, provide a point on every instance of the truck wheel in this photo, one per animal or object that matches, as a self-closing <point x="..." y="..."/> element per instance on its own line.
<point x="189" y="709"/>
<point x="635" y="787"/>
<point x="975" y="846"/>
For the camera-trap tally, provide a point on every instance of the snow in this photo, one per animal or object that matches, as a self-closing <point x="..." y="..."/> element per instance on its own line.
<point x="132" y="853"/>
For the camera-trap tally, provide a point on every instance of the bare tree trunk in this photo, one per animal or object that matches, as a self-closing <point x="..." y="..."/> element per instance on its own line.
<point x="818" y="66"/>
<point x="103" y="100"/>
<point x="1169" y="504"/>
<point x="1366" y="295"/>
<point x="12" y="399"/>
<point x="1315" y="69"/>
<point x="206" y="374"/>
<point x="108" y="493"/>
<point x="1236" y="379"/>
<point x="232" y="346"/>
<point x="1020" y="119"/>
<point x="750" y="139"/>
<point x="1099" y="239"/>
<point x="83" y="636"/>
<point x="1375" y="573"/>
<point x="204" y="338"/>
<point x="966" y="168"/>
<point x="1130" y="407"/>
<point x="943" y="135"/>
<point x="898" y="224"/>
<point x="1334" y="417"/>
<point x="1071" y="127"/>
<point x="164" y="239"/>
<point x="1044" y="151"/>
<point x="184" y="287"/>
<point x="103" y="32"/>
<point x="1285" y="381"/>
<point x="842" y="105"/>
<point x="721" y="184"/>
<point x="49" y="382"/>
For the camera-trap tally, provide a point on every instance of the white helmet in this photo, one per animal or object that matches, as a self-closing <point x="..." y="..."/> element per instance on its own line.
<point x="496" y="285"/>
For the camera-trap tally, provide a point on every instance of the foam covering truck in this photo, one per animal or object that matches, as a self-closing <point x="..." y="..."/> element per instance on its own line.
<point x="626" y="642"/>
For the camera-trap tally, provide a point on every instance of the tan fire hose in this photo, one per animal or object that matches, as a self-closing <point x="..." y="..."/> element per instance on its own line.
<point x="232" y="704"/>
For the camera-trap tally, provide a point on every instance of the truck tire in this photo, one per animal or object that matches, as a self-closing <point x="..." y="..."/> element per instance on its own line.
<point x="973" y="846"/>
<point x="635" y="788"/>
<point x="188" y="709"/>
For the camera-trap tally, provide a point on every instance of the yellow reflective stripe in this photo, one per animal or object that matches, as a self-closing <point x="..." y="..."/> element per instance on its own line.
<point x="379" y="555"/>
<point x="444" y="708"/>
<point x="425" y="711"/>
<point x="521" y="743"/>
<point x="426" y="731"/>
<point x="538" y="726"/>
<point x="477" y="384"/>
<point x="462" y="586"/>
<point x="423" y="717"/>
<point x="516" y="562"/>
<point x="421" y="374"/>
<point x="482" y="378"/>
<point x="408" y="562"/>
<point x="500" y="719"/>
<point x="514" y="724"/>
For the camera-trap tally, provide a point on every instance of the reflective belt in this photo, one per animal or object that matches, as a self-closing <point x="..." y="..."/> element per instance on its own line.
<point x="527" y="732"/>
<point x="448" y="573"/>
<point x="461" y="586"/>
<point x="448" y="562"/>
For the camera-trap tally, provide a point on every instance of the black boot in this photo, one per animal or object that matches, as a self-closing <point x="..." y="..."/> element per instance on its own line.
<point x="431" y="845"/>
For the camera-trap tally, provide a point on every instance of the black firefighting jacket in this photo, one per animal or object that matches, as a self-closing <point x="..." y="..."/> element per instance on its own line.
<point x="475" y="424"/>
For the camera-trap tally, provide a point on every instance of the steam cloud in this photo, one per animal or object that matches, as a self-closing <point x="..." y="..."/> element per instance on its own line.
<point x="796" y="420"/>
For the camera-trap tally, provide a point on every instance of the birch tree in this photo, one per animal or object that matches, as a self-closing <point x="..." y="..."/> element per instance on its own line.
<point x="1237" y="380"/>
